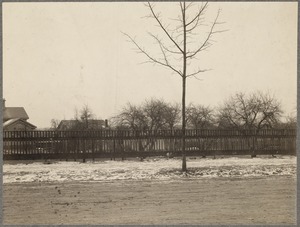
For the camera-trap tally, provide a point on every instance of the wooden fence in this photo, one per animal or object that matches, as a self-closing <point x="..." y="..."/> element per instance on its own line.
<point x="122" y="144"/>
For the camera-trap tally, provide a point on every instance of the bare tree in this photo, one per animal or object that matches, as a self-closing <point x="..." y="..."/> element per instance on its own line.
<point x="153" y="110"/>
<point x="181" y="46"/>
<point x="54" y="123"/>
<point x="255" y="111"/>
<point x="172" y="115"/>
<point x="160" y="114"/>
<point x="81" y="118"/>
<point x="85" y="115"/>
<point x="153" y="114"/>
<point x="131" y="117"/>
<point x="199" y="116"/>
<point x="76" y="125"/>
<point x="290" y="122"/>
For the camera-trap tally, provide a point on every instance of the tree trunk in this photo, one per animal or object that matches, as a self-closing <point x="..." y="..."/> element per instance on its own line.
<point x="184" y="168"/>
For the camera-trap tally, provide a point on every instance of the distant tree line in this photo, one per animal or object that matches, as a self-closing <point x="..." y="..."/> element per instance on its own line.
<point x="254" y="111"/>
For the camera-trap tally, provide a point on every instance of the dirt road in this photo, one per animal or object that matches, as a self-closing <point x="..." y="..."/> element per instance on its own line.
<point x="264" y="200"/>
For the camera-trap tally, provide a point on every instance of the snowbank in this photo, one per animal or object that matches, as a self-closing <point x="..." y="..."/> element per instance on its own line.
<point x="166" y="169"/>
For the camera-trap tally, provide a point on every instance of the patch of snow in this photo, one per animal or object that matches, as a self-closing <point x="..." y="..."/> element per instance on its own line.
<point x="161" y="169"/>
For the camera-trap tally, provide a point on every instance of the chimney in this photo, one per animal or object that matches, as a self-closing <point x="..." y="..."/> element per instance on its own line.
<point x="106" y="123"/>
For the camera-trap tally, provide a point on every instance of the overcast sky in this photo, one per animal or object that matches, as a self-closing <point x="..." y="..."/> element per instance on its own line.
<point x="58" y="56"/>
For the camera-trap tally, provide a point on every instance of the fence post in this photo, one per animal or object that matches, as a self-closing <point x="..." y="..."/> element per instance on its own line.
<point x="253" y="155"/>
<point x="83" y="152"/>
<point x="123" y="149"/>
<point x="93" y="149"/>
<point x="26" y="144"/>
<point x="52" y="147"/>
<point x="114" y="150"/>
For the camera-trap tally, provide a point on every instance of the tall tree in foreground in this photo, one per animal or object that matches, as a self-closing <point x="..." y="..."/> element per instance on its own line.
<point x="182" y="43"/>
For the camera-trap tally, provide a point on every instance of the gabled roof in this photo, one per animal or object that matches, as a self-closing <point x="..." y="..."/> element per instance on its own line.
<point x="71" y="124"/>
<point x="14" y="113"/>
<point x="67" y="124"/>
<point x="15" y="120"/>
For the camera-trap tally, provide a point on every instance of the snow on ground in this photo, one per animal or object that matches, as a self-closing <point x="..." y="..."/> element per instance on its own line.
<point x="155" y="168"/>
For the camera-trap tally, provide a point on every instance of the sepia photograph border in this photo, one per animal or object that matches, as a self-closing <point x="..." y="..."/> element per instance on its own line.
<point x="298" y="109"/>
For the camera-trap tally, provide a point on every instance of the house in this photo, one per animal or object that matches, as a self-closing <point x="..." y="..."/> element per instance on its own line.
<point x="15" y="119"/>
<point x="91" y="124"/>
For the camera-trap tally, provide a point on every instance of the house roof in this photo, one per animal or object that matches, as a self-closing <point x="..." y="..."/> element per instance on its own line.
<point x="14" y="113"/>
<point x="69" y="124"/>
<point x="15" y="120"/>
<point x="66" y="124"/>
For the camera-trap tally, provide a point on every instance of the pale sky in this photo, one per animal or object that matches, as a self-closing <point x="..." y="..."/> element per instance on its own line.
<point x="58" y="56"/>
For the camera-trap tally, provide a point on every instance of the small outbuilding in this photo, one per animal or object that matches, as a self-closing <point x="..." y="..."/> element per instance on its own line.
<point x="15" y="119"/>
<point x="18" y="124"/>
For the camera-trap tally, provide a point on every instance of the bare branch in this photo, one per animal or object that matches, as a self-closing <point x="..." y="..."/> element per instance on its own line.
<point x="152" y="59"/>
<point x="198" y="15"/>
<point x="197" y="72"/>
<point x="162" y="46"/>
<point x="220" y="31"/>
<point x="181" y="8"/>
<point x="195" y="26"/>
<point x="176" y="19"/>
<point x="189" y="5"/>
<point x="197" y="78"/>
<point x="206" y="42"/>
<point x="156" y="17"/>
